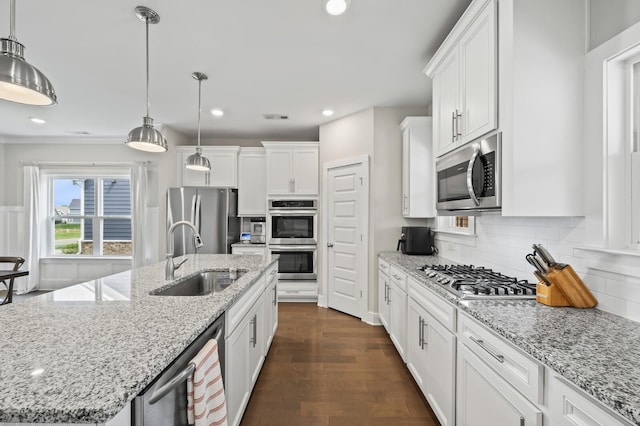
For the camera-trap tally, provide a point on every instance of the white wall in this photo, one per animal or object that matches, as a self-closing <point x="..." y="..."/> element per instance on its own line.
<point x="609" y="18"/>
<point x="162" y="174"/>
<point x="501" y="243"/>
<point x="374" y="132"/>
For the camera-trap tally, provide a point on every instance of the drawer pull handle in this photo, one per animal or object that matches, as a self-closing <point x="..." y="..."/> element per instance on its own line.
<point x="480" y="343"/>
<point x="397" y="277"/>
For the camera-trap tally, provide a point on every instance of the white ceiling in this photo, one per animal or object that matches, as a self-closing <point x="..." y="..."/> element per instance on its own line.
<point x="280" y="56"/>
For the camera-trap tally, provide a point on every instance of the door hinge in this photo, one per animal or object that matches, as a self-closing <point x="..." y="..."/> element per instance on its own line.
<point x="360" y="294"/>
<point x="360" y="237"/>
<point x="361" y="182"/>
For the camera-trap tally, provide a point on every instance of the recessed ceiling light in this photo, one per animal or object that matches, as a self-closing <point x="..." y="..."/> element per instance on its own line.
<point x="327" y="112"/>
<point x="335" y="7"/>
<point x="37" y="120"/>
<point x="217" y="112"/>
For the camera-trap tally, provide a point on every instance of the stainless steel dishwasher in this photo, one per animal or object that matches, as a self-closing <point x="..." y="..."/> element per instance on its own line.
<point x="164" y="401"/>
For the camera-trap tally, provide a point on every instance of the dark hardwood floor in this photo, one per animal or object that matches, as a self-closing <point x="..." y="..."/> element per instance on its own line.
<point x="328" y="368"/>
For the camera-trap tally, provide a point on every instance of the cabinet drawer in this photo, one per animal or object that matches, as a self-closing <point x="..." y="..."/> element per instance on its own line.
<point x="383" y="266"/>
<point x="397" y="276"/>
<point x="518" y="369"/>
<point x="572" y="407"/>
<point x="444" y="312"/>
<point x="241" y="306"/>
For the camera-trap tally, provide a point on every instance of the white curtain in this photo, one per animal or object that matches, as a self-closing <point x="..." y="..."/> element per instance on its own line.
<point x="33" y="227"/>
<point x="142" y="225"/>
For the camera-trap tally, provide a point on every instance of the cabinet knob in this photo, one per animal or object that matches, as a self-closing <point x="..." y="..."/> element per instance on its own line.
<point x="329" y="245"/>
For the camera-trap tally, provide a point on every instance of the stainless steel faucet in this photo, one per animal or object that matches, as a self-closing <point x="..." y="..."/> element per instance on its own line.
<point x="170" y="266"/>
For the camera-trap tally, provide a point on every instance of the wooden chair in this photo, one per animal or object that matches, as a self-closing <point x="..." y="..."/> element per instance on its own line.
<point x="17" y="263"/>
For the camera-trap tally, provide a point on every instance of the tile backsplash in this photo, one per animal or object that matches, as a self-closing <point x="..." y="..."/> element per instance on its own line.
<point x="501" y="243"/>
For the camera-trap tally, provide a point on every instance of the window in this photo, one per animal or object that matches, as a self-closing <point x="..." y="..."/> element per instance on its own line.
<point x="464" y="225"/>
<point x="634" y="152"/>
<point x="90" y="215"/>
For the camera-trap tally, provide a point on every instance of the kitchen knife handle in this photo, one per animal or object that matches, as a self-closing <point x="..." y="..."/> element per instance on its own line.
<point x="544" y="254"/>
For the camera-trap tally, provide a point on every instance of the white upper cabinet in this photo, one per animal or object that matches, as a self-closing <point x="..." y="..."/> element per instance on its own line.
<point x="224" y="167"/>
<point x="541" y="106"/>
<point x="512" y="65"/>
<point x="418" y="168"/>
<point x="292" y="168"/>
<point x="465" y="79"/>
<point x="252" y="182"/>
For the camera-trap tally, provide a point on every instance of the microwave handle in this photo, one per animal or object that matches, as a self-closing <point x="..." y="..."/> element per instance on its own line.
<point x="472" y="192"/>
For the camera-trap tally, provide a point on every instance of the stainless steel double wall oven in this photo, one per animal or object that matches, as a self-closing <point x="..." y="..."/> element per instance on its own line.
<point x="293" y="234"/>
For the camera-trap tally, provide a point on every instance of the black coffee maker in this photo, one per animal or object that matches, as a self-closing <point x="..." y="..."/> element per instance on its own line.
<point x="416" y="240"/>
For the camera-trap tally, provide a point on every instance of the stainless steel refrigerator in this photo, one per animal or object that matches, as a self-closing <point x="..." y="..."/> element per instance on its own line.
<point x="213" y="211"/>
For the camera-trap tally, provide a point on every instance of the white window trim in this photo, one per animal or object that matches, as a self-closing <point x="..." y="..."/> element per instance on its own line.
<point x="72" y="172"/>
<point x="619" y="157"/>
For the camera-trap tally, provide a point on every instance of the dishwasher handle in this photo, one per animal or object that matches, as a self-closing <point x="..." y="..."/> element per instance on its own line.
<point x="159" y="393"/>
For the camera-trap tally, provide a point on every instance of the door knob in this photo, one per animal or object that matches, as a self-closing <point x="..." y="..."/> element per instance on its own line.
<point x="329" y="245"/>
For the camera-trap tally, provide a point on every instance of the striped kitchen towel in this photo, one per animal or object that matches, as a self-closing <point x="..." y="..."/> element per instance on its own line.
<point x="206" y="404"/>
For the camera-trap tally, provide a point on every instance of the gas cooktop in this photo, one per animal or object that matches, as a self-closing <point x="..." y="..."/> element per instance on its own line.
<point x="471" y="282"/>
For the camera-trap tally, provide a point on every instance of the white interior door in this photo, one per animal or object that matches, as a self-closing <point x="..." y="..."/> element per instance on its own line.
<point x="347" y="221"/>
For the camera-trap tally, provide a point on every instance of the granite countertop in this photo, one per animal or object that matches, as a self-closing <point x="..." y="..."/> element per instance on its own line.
<point x="80" y="354"/>
<point x="596" y="351"/>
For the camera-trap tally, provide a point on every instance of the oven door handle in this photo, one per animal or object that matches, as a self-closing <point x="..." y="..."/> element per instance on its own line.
<point x="293" y="212"/>
<point x="292" y="247"/>
<point x="472" y="162"/>
<point x="160" y="393"/>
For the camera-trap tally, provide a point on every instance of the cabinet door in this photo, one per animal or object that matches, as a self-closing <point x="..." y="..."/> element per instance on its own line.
<point x="441" y="367"/>
<point x="224" y="166"/>
<point x="406" y="181"/>
<point x="383" y="299"/>
<point x="418" y="168"/>
<point x="237" y="377"/>
<point x="398" y="318"/>
<point x="279" y="171"/>
<point x="445" y="105"/>
<point x="477" y="53"/>
<point x="270" y="309"/>
<point x="252" y="184"/>
<point x="305" y="171"/>
<point x="484" y="399"/>
<point x="256" y="320"/>
<point x="417" y="346"/>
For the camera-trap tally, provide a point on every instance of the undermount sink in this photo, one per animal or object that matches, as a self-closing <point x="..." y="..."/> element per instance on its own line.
<point x="201" y="284"/>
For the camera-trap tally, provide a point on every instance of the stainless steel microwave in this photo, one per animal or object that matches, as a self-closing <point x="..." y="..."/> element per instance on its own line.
<point x="469" y="178"/>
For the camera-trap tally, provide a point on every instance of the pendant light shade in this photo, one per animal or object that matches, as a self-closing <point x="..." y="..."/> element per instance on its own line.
<point x="19" y="81"/>
<point x="197" y="161"/>
<point x="146" y="137"/>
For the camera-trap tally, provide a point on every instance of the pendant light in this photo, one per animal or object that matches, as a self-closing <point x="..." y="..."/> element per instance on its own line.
<point x="19" y="81"/>
<point x="197" y="161"/>
<point x="146" y="138"/>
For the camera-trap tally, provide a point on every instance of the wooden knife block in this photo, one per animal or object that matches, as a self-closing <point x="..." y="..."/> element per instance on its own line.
<point x="566" y="289"/>
<point x="550" y="295"/>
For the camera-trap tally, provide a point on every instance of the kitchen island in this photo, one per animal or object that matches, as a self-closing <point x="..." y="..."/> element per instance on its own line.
<point x="81" y="354"/>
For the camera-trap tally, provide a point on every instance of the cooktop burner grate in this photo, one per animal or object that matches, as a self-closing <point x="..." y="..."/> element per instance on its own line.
<point x="471" y="282"/>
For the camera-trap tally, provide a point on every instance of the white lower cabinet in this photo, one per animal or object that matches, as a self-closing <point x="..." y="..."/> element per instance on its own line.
<point x="569" y="407"/>
<point x="270" y="306"/>
<point x="398" y="312"/>
<point x="250" y="325"/>
<point x="483" y="398"/>
<point x="431" y="350"/>
<point x="256" y="249"/>
<point x="383" y="293"/>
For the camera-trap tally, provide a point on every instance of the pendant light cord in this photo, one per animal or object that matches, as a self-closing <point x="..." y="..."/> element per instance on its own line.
<point x="12" y="21"/>
<point x="147" y="46"/>
<point x="199" y="107"/>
